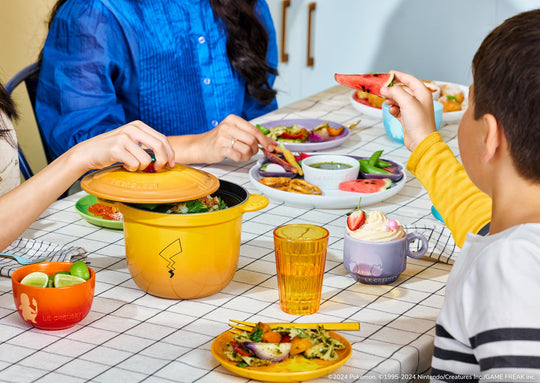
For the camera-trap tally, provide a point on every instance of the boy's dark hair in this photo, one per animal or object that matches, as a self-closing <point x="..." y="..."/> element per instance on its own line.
<point x="507" y="85"/>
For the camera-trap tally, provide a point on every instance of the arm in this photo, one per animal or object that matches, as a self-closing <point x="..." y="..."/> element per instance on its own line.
<point x="462" y="205"/>
<point x="22" y="205"/>
<point x="84" y="61"/>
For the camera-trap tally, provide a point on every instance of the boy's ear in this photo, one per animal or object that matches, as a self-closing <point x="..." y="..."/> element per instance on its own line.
<point x="493" y="137"/>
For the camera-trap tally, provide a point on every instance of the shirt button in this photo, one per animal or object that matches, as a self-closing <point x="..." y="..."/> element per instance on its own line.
<point x="215" y="123"/>
<point x="202" y="40"/>
<point x="207" y="81"/>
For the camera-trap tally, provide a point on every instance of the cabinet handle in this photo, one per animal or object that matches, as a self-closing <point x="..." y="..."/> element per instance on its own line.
<point x="311" y="8"/>
<point x="284" y="5"/>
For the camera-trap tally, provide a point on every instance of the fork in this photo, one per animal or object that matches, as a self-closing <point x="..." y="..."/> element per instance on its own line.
<point x="24" y="261"/>
<point x="240" y="326"/>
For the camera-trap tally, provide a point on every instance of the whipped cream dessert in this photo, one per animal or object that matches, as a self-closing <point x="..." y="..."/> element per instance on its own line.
<point x="378" y="228"/>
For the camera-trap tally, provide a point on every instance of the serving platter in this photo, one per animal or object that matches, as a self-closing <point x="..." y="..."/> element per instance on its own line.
<point x="82" y="206"/>
<point x="310" y="124"/>
<point x="290" y="370"/>
<point x="376" y="113"/>
<point x="334" y="199"/>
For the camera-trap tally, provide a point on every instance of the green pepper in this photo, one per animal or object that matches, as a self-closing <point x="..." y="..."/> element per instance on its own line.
<point x="262" y="129"/>
<point x="371" y="169"/>
<point x="374" y="157"/>
<point x="383" y="164"/>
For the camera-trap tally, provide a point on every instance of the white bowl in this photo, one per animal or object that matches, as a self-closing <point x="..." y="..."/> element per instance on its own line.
<point x="329" y="179"/>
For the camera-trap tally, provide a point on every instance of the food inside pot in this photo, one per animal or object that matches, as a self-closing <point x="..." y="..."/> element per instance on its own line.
<point x="228" y="195"/>
<point x="200" y="205"/>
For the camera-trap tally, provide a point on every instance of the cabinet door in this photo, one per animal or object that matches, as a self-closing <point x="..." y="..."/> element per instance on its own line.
<point x="344" y="39"/>
<point x="323" y="37"/>
<point x="290" y="20"/>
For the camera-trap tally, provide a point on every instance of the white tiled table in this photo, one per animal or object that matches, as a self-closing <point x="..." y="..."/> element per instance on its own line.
<point x="130" y="336"/>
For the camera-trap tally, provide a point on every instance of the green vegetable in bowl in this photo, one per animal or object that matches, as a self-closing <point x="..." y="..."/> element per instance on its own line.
<point x="373" y="165"/>
<point x="201" y="205"/>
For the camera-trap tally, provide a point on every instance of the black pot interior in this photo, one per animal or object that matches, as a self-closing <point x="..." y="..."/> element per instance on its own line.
<point x="231" y="193"/>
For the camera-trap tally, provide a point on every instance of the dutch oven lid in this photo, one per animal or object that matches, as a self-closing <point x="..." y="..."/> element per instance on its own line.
<point x="180" y="183"/>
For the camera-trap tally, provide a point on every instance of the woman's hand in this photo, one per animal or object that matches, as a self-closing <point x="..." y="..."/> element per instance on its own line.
<point x="412" y="103"/>
<point x="234" y="138"/>
<point x="125" y="144"/>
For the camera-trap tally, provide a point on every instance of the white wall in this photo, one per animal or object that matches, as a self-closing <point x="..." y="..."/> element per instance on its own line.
<point x="432" y="39"/>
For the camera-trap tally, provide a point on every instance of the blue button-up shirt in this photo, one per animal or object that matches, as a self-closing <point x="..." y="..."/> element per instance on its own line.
<point x="164" y="62"/>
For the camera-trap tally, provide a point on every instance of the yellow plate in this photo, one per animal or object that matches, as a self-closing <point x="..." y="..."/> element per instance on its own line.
<point x="290" y="370"/>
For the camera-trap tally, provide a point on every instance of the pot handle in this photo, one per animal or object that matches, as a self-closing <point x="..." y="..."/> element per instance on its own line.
<point x="255" y="202"/>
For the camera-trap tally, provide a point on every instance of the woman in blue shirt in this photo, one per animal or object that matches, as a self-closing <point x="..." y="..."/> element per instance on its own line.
<point x="195" y="70"/>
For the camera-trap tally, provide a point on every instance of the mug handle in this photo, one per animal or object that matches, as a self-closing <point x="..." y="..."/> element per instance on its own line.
<point x="423" y="249"/>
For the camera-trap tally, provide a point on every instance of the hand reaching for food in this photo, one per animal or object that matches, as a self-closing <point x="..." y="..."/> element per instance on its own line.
<point x="233" y="138"/>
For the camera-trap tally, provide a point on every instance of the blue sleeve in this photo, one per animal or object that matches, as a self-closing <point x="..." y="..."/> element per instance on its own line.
<point x="83" y="61"/>
<point x="252" y="107"/>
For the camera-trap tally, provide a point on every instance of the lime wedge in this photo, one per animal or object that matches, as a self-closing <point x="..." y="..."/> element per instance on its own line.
<point x="79" y="269"/>
<point x="63" y="280"/>
<point x="37" y="279"/>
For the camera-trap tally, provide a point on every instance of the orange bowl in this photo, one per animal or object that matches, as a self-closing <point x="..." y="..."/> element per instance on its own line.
<point x="52" y="308"/>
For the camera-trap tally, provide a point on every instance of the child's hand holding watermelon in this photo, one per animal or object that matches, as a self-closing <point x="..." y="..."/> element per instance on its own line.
<point x="412" y="104"/>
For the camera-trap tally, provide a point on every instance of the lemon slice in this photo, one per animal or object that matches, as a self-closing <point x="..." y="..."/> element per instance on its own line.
<point x="37" y="279"/>
<point x="63" y="280"/>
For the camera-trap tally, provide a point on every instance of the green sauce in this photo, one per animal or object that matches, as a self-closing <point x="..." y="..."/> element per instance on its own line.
<point x="330" y="165"/>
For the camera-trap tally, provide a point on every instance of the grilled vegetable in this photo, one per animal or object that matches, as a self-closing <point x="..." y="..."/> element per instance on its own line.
<point x="275" y="158"/>
<point x="274" y="352"/>
<point x="290" y="158"/>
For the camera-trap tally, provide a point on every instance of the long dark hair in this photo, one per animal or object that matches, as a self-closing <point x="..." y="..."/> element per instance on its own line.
<point x="247" y="44"/>
<point x="8" y="107"/>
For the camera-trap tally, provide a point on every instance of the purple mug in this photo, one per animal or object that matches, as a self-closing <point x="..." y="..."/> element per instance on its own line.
<point x="380" y="263"/>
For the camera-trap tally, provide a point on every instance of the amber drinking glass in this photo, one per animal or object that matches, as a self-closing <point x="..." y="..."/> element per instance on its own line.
<point x="300" y="251"/>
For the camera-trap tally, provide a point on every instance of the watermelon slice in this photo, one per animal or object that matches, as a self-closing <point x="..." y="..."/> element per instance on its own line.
<point x="369" y="83"/>
<point x="366" y="185"/>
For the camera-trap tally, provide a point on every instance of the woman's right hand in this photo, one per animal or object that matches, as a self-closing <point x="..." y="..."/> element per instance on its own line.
<point x="233" y="138"/>
<point x="411" y="102"/>
<point x="125" y="144"/>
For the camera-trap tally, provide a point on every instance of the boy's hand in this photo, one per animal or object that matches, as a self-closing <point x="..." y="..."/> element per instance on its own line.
<point x="411" y="102"/>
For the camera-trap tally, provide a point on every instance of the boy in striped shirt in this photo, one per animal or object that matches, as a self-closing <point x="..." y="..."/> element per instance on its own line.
<point x="489" y="326"/>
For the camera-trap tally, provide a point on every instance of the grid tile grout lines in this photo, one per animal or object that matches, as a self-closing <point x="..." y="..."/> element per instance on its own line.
<point x="133" y="336"/>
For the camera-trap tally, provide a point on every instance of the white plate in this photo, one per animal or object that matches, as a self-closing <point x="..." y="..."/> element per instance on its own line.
<point x="335" y="199"/>
<point x="310" y="124"/>
<point x="376" y="113"/>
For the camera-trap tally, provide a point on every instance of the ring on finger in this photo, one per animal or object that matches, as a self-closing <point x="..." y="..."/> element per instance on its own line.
<point x="232" y="142"/>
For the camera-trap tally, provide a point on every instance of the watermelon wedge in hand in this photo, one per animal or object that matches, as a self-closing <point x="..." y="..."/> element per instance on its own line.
<point x="369" y="83"/>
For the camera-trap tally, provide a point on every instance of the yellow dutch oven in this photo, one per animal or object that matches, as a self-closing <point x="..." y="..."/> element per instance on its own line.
<point x="178" y="256"/>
